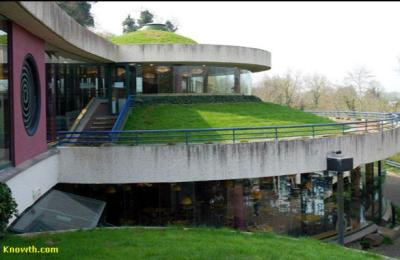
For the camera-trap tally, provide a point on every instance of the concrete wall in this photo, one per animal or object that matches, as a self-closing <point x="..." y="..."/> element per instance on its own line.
<point x="32" y="182"/>
<point x="179" y="163"/>
<point x="247" y="58"/>
<point x="25" y="147"/>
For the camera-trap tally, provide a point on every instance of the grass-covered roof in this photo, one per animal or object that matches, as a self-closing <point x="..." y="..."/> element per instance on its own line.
<point x="151" y="36"/>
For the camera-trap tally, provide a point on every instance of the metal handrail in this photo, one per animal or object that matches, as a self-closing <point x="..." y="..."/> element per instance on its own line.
<point x="373" y="122"/>
<point x="123" y="113"/>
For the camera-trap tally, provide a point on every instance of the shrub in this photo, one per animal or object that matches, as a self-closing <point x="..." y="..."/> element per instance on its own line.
<point x="387" y="240"/>
<point x="194" y="99"/>
<point x="365" y="244"/>
<point x="8" y="207"/>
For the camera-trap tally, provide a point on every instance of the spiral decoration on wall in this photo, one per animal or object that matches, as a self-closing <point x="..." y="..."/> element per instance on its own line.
<point x="30" y="103"/>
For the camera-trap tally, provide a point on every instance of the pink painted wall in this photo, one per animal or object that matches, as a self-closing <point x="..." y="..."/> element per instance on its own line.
<point x="25" y="147"/>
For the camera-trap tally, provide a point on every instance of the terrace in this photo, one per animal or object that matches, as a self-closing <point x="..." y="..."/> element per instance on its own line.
<point x="238" y="119"/>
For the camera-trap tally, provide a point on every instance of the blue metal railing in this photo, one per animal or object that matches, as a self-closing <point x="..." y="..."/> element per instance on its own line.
<point x="123" y="113"/>
<point x="372" y="122"/>
<point x="393" y="164"/>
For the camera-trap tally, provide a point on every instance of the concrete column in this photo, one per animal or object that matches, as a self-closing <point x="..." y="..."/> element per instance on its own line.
<point x="238" y="206"/>
<point x="340" y="206"/>
<point x="205" y="79"/>
<point x="369" y="186"/>
<point x="380" y="191"/>
<point x="356" y="200"/>
<point x="236" y="85"/>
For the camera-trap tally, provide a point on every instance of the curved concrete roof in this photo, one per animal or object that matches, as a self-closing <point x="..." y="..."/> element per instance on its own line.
<point x="49" y="22"/>
<point x="247" y="58"/>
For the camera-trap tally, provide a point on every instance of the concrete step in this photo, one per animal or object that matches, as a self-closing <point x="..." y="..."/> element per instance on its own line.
<point x="100" y="123"/>
<point x="105" y="117"/>
<point x="100" y="128"/>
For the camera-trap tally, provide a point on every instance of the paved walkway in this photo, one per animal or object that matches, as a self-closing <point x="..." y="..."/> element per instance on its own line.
<point x="392" y="250"/>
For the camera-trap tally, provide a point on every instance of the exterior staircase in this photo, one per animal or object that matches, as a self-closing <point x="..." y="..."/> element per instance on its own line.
<point x="101" y="120"/>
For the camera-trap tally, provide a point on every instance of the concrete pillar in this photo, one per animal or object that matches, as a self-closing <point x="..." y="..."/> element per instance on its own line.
<point x="380" y="191"/>
<point x="238" y="206"/>
<point x="340" y="206"/>
<point x="236" y="85"/>
<point x="205" y="79"/>
<point x="369" y="186"/>
<point x="356" y="200"/>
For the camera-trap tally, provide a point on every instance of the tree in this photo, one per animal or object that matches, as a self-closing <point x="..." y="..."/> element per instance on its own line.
<point x="8" y="207"/>
<point x="291" y="85"/>
<point x="345" y="98"/>
<point x="80" y="11"/>
<point x="360" y="78"/>
<point x="171" y="27"/>
<point x="283" y="90"/>
<point x="145" y="17"/>
<point x="317" y="85"/>
<point x="129" y="25"/>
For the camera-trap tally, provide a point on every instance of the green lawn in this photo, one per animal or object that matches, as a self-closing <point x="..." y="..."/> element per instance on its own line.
<point x="395" y="158"/>
<point x="150" y="36"/>
<point x="223" y="115"/>
<point x="178" y="243"/>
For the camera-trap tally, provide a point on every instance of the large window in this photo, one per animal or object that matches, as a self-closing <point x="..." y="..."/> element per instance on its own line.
<point x="4" y="96"/>
<point x="153" y="79"/>
<point x="301" y="204"/>
<point x="71" y="84"/>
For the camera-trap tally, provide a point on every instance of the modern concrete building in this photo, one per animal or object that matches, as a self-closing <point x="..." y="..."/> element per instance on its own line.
<point x="53" y="70"/>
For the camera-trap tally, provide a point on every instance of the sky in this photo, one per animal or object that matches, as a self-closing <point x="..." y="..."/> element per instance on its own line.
<point x="330" y="38"/>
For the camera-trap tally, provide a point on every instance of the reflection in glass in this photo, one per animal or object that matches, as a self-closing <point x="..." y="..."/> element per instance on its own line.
<point x="302" y="204"/>
<point x="4" y="96"/>
<point x="153" y="79"/>
<point x="71" y="85"/>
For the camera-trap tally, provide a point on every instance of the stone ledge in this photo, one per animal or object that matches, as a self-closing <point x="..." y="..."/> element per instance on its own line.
<point x="10" y="172"/>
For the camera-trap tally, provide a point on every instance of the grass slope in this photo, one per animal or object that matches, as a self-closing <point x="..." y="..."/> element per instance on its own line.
<point x="218" y="115"/>
<point x="244" y="114"/>
<point x="150" y="36"/>
<point x="178" y="243"/>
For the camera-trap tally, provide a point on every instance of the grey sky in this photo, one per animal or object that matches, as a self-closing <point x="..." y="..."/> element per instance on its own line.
<point x="326" y="37"/>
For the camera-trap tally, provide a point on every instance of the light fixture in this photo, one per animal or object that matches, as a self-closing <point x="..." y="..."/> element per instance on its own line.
<point x="176" y="187"/>
<point x="151" y="65"/>
<point x="127" y="187"/>
<point x="163" y="69"/>
<point x="196" y="71"/>
<point x="186" y="201"/>
<point x="149" y="75"/>
<point x="111" y="190"/>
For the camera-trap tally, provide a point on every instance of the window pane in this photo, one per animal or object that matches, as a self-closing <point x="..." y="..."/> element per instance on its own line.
<point x="4" y="100"/>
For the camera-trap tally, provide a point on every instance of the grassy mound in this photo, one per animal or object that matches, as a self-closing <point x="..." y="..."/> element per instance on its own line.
<point x="193" y="99"/>
<point x="178" y="243"/>
<point x="151" y="36"/>
<point x="213" y="115"/>
<point x="156" y="116"/>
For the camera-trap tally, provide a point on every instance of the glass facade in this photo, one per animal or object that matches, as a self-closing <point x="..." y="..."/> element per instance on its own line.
<point x="4" y="94"/>
<point x="294" y="204"/>
<point x="71" y="84"/>
<point x="152" y="79"/>
<point x="70" y="87"/>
